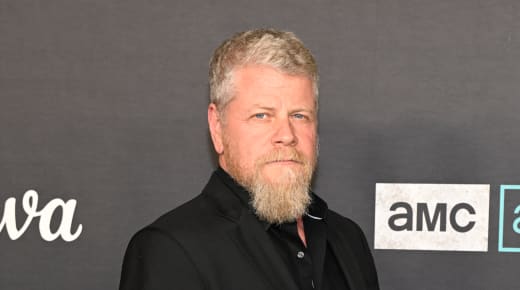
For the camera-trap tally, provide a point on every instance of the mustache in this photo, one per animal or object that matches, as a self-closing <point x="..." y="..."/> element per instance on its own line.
<point x="283" y="155"/>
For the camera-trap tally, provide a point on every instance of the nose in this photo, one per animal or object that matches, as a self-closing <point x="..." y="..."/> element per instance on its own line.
<point x="284" y="133"/>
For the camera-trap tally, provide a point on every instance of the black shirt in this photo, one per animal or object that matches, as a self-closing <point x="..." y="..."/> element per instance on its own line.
<point x="314" y="267"/>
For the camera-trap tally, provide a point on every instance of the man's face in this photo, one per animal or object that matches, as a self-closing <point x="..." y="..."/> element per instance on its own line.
<point x="268" y="136"/>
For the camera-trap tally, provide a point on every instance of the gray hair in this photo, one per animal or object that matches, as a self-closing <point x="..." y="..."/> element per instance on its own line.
<point x="279" y="49"/>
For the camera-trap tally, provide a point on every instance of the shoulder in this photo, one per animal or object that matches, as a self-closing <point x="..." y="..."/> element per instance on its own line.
<point x="346" y="232"/>
<point x="195" y="220"/>
<point x="164" y="235"/>
<point x="207" y="215"/>
<point x="337" y="221"/>
<point x="179" y="242"/>
<point x="191" y="213"/>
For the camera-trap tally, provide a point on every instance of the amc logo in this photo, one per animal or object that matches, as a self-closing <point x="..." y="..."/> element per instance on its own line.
<point x="443" y="217"/>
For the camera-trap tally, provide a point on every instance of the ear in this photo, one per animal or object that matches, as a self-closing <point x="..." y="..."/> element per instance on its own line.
<point x="215" y="128"/>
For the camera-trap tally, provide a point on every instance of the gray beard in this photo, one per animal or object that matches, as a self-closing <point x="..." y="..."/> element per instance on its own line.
<point x="278" y="201"/>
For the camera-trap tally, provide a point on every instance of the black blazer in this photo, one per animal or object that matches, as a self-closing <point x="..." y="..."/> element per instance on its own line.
<point x="215" y="242"/>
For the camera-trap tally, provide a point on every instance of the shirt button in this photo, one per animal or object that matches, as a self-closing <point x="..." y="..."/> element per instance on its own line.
<point x="300" y="255"/>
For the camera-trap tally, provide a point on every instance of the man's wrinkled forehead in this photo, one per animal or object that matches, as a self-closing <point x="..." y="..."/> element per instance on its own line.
<point x="232" y="80"/>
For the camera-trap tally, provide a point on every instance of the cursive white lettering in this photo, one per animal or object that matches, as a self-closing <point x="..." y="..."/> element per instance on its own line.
<point x="30" y="206"/>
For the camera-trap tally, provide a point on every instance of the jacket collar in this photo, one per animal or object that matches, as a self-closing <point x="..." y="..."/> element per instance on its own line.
<point x="239" y="191"/>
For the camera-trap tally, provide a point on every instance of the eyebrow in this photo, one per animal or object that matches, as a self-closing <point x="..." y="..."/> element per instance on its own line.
<point x="259" y="106"/>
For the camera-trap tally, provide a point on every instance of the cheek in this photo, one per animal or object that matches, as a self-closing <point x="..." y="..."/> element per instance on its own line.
<point x="308" y="140"/>
<point x="252" y="150"/>
<point x="249" y="146"/>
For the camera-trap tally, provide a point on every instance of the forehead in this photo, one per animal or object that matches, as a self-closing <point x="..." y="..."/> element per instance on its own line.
<point x="266" y="83"/>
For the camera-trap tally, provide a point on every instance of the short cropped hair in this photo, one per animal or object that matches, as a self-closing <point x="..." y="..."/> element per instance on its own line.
<point x="279" y="49"/>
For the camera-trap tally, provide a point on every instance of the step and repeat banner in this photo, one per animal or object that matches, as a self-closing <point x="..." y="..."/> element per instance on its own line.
<point x="103" y="128"/>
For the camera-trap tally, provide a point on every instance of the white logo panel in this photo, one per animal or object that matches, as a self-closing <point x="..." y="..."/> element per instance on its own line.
<point x="443" y="217"/>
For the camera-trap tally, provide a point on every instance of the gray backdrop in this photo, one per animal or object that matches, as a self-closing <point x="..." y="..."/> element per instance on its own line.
<point x="105" y="102"/>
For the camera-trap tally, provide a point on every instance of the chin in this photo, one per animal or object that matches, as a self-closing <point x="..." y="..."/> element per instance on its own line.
<point x="278" y="173"/>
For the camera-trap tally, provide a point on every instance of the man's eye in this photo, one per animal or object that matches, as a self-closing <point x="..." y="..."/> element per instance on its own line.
<point x="299" y="116"/>
<point x="260" y="115"/>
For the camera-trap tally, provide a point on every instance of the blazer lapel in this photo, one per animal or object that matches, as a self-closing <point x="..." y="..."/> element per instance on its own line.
<point x="346" y="260"/>
<point x="251" y="237"/>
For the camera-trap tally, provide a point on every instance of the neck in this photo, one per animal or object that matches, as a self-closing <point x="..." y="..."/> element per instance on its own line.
<point x="301" y="231"/>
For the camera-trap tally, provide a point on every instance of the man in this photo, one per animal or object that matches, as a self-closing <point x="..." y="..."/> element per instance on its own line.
<point x="256" y="225"/>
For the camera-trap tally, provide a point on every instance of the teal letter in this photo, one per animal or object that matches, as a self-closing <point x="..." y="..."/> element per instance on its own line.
<point x="516" y="226"/>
